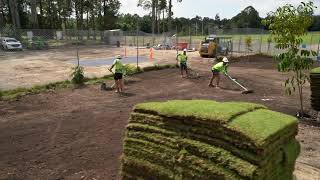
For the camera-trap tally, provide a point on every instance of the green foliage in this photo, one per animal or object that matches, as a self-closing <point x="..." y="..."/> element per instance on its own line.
<point x="248" y="41"/>
<point x="37" y="43"/>
<point x="316" y="70"/>
<point x="130" y="69"/>
<point x="269" y="39"/>
<point x="77" y="75"/>
<point x="288" y="25"/>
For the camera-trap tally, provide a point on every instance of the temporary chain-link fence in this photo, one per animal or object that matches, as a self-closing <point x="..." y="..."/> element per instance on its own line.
<point x="244" y="41"/>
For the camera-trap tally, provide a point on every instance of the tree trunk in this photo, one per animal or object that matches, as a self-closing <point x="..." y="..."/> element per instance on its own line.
<point x="159" y="18"/>
<point x="14" y="14"/>
<point x="169" y="15"/>
<point x="104" y="15"/>
<point x="163" y="27"/>
<point x="153" y="20"/>
<point x="2" y="14"/>
<point x="41" y="14"/>
<point x="93" y="21"/>
<point x="34" y="14"/>
<point x="50" y="19"/>
<point x="300" y="86"/>
<point x="88" y="27"/>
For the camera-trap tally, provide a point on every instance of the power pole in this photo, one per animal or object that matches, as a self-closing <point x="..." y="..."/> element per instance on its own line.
<point x="202" y="27"/>
<point x="196" y="28"/>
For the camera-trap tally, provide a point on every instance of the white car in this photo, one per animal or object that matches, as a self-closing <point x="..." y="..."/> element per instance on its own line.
<point x="10" y="44"/>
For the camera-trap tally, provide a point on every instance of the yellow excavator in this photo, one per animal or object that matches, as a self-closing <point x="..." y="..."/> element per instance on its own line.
<point x="214" y="46"/>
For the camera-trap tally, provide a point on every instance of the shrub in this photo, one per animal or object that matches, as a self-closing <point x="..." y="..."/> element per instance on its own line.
<point x="130" y="69"/>
<point x="37" y="43"/>
<point x="78" y="75"/>
<point x="248" y="41"/>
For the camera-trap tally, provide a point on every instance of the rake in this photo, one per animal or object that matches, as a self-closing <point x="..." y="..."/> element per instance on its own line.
<point x="245" y="90"/>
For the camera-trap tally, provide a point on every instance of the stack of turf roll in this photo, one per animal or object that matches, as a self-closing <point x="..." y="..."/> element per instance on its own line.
<point x="200" y="139"/>
<point x="315" y="88"/>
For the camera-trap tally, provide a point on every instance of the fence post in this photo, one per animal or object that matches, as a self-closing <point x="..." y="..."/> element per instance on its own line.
<point x="260" y="50"/>
<point x="177" y="40"/>
<point x="318" y="49"/>
<point x="239" y="44"/>
<point x="137" y="46"/>
<point x="142" y="39"/>
<point x="311" y="38"/>
<point x="189" y="37"/>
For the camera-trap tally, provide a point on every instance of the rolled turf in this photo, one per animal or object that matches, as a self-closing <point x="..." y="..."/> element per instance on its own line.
<point x="202" y="139"/>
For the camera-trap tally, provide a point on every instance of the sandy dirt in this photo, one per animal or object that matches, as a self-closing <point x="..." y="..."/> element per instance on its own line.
<point x="29" y="68"/>
<point x="77" y="134"/>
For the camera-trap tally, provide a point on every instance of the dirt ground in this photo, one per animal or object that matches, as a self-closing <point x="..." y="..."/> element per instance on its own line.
<point x="29" y="68"/>
<point x="77" y="134"/>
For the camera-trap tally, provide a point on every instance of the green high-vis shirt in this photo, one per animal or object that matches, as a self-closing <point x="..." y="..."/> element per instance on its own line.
<point x="118" y="66"/>
<point x="183" y="58"/>
<point x="220" y="67"/>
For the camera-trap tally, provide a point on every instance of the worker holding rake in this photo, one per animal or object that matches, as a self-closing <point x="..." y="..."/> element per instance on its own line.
<point x="118" y="75"/>
<point x="183" y="59"/>
<point x="221" y="67"/>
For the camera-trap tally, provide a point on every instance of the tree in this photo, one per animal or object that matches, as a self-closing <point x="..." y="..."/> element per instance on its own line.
<point x="34" y="14"/>
<point x="2" y="13"/>
<point x="288" y="24"/>
<point x="15" y="17"/>
<point x="316" y="24"/>
<point x="249" y="17"/>
<point x="170" y="13"/>
<point x="217" y="20"/>
<point x="110" y="12"/>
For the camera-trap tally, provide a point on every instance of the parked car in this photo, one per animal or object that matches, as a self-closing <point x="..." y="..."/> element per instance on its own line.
<point x="10" y="44"/>
<point x="162" y="47"/>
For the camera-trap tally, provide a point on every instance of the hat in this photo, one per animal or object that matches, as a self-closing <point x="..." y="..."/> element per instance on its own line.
<point x="225" y="60"/>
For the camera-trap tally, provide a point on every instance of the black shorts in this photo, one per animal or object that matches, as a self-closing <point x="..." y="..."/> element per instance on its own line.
<point x="215" y="72"/>
<point x="183" y="66"/>
<point x="117" y="76"/>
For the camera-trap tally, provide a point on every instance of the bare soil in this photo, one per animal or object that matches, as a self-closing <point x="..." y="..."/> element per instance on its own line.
<point x="28" y="68"/>
<point x="77" y="134"/>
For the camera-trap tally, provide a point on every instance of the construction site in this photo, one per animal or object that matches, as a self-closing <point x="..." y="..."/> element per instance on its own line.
<point x="227" y="104"/>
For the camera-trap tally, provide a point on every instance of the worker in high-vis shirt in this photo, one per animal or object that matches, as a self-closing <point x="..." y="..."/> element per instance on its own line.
<point x="118" y="75"/>
<point x="183" y="59"/>
<point x="221" y="67"/>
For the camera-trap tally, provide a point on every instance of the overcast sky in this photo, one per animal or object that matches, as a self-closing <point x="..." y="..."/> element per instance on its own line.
<point x="209" y="8"/>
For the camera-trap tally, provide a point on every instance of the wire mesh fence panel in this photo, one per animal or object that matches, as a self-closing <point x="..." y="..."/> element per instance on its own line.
<point x="37" y="39"/>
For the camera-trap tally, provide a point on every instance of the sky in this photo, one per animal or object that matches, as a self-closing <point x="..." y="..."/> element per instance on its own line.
<point x="209" y="8"/>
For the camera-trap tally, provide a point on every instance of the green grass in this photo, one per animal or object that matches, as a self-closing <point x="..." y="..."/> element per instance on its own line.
<point x="241" y="125"/>
<point x="202" y="150"/>
<point x="14" y="94"/>
<point x="176" y="139"/>
<point x="199" y="160"/>
<point x="312" y="37"/>
<point x="198" y="109"/>
<point x="316" y="70"/>
<point x="261" y="125"/>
